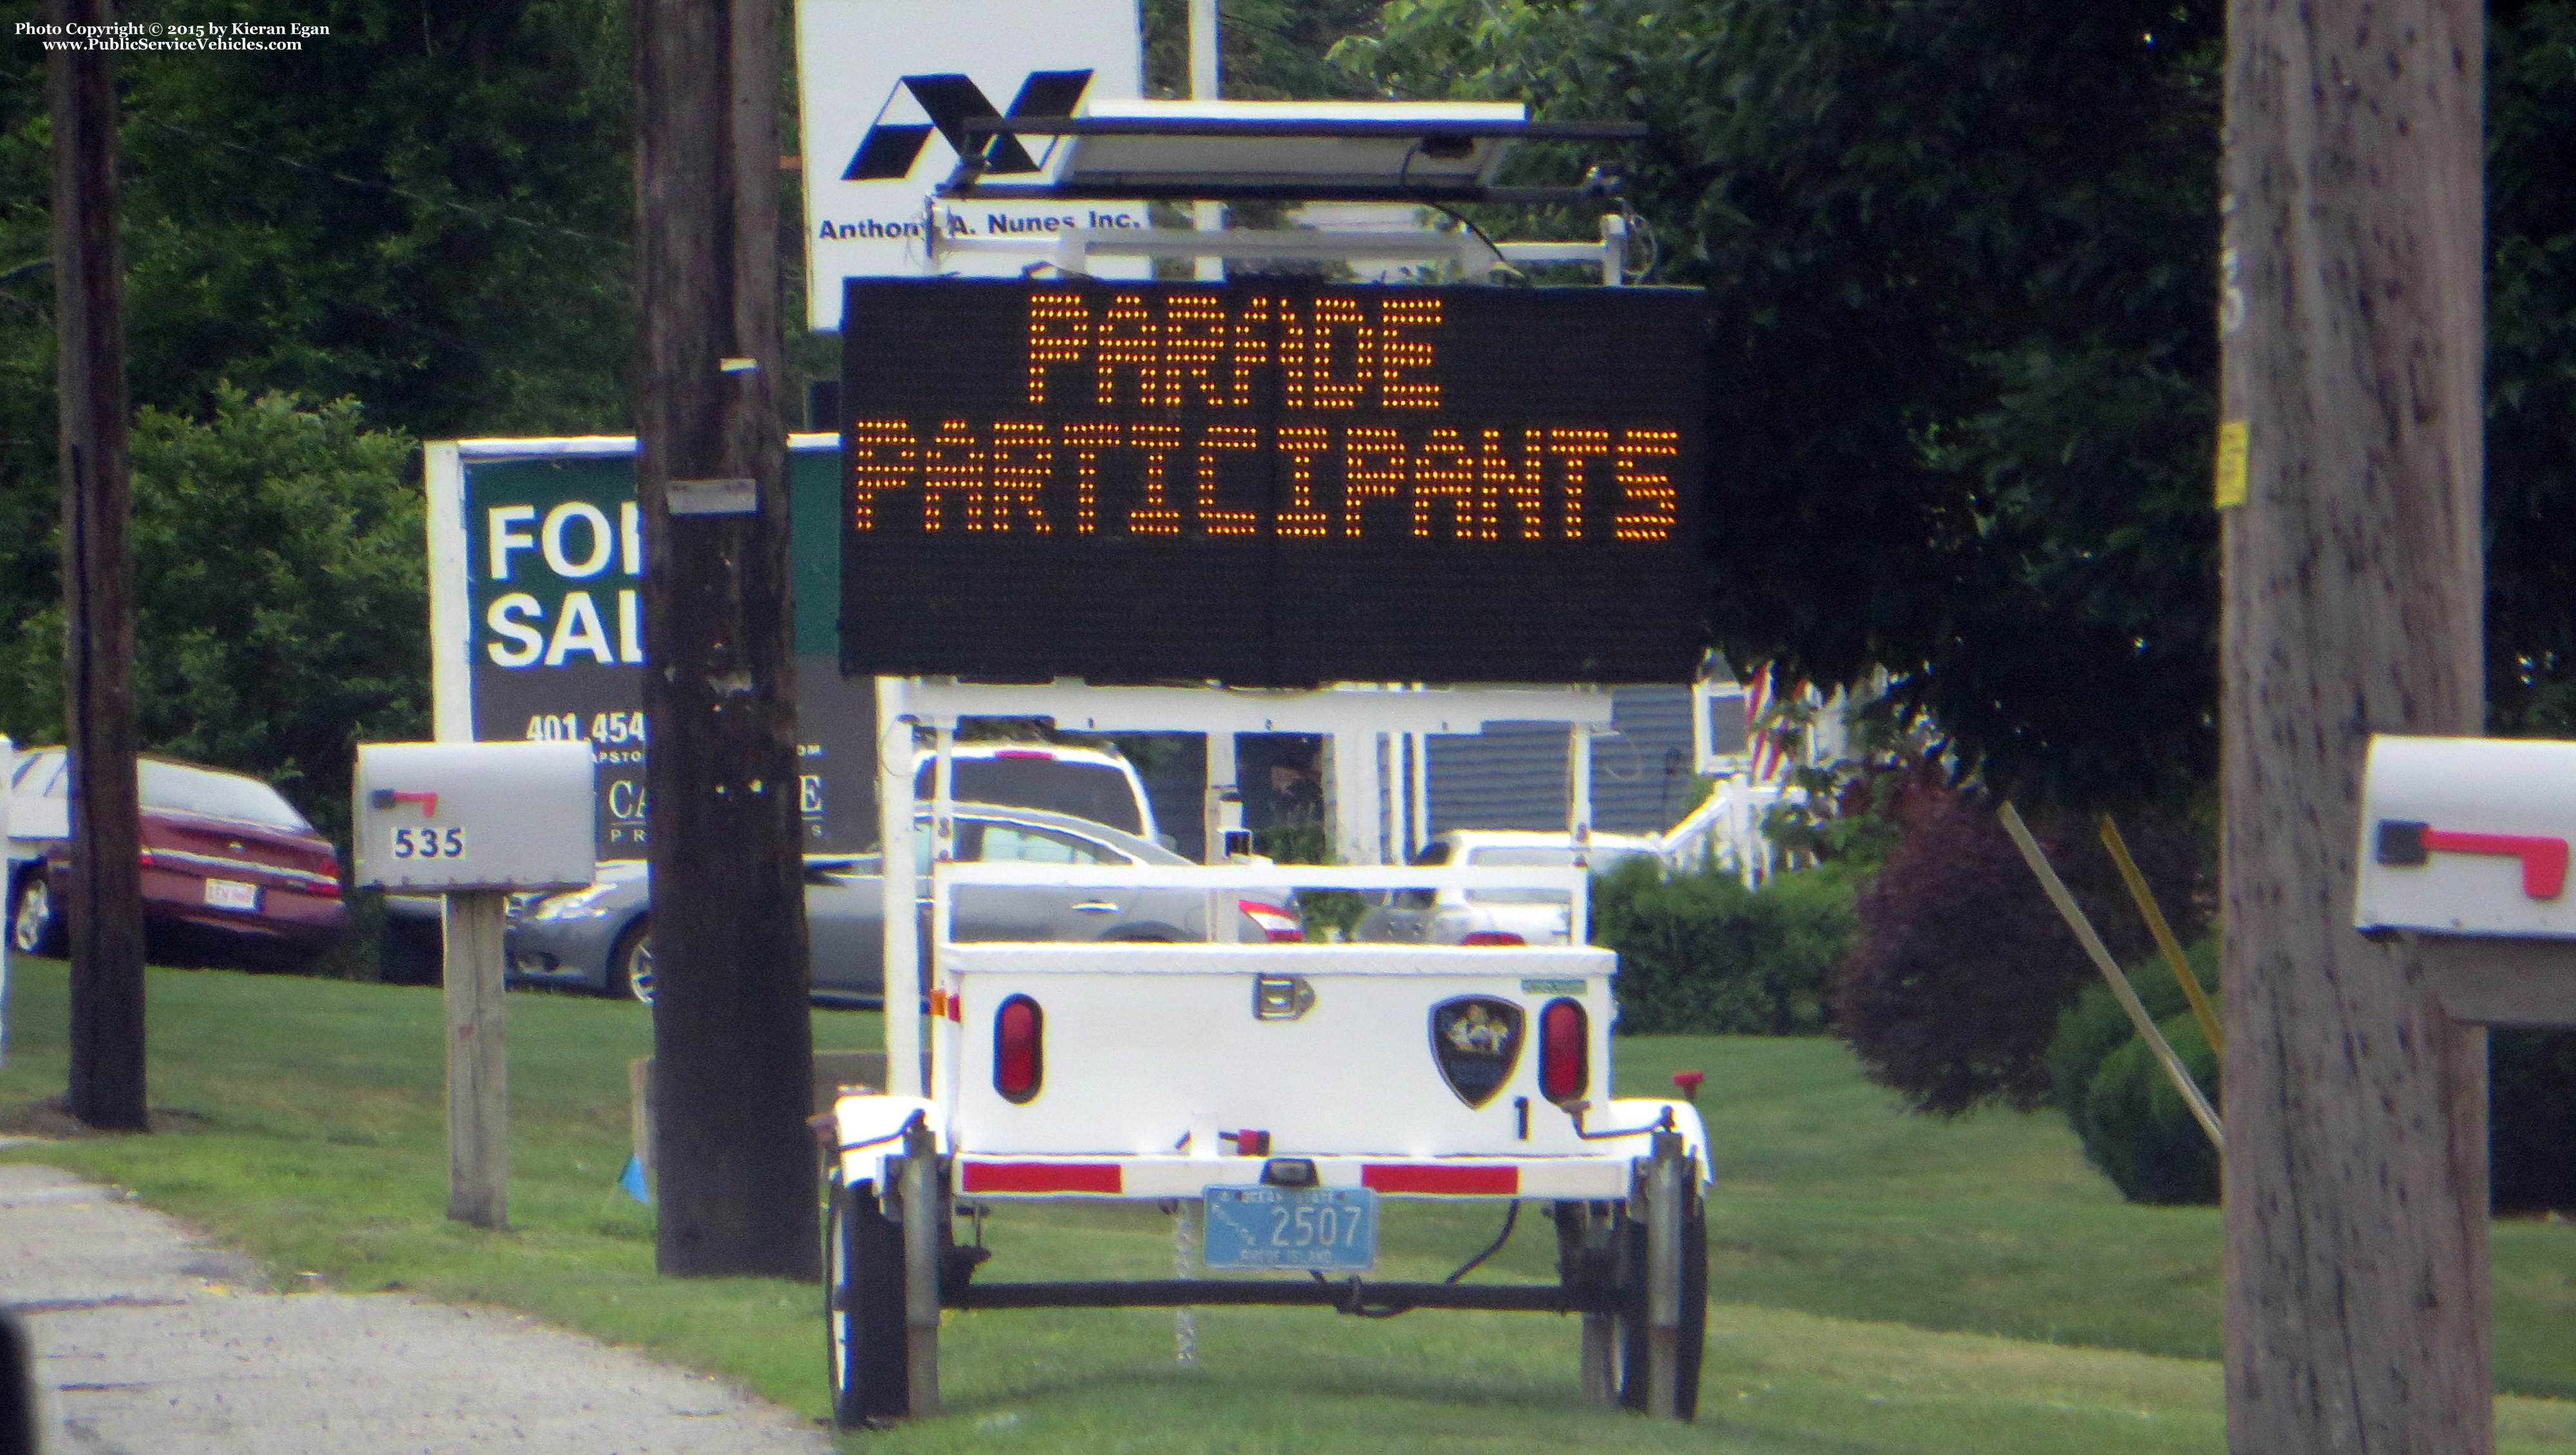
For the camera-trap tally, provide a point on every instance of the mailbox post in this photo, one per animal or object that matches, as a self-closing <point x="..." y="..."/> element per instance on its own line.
<point x="475" y="822"/>
<point x="2464" y="841"/>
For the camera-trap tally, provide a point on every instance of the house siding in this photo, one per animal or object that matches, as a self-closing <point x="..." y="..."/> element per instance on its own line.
<point x="1512" y="776"/>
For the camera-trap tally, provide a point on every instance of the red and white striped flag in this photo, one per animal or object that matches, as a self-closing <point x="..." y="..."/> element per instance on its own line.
<point x="1765" y="761"/>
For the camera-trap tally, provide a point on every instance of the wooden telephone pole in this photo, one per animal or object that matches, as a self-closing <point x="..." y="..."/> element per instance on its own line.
<point x="732" y="1038"/>
<point x="2356" y="1176"/>
<point x="106" y="906"/>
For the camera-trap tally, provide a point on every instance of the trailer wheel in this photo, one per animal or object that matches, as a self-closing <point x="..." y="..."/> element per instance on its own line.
<point x="1634" y="1379"/>
<point x="863" y="1309"/>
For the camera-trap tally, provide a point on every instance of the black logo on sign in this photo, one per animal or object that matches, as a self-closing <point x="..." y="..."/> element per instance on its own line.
<point x="949" y="100"/>
<point x="1475" y="1039"/>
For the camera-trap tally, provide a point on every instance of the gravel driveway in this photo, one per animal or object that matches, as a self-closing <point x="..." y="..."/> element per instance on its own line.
<point x="154" y="1342"/>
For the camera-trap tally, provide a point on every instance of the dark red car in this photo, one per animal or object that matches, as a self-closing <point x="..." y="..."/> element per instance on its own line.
<point x="230" y="869"/>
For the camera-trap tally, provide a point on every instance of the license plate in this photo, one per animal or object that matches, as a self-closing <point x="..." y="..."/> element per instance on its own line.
<point x="231" y="894"/>
<point x="1328" y="1229"/>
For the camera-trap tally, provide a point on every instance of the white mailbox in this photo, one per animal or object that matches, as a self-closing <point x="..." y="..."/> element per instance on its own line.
<point x="442" y="816"/>
<point x="2467" y="836"/>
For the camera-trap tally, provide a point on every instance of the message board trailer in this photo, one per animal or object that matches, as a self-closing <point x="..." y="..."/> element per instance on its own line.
<point x="1258" y="485"/>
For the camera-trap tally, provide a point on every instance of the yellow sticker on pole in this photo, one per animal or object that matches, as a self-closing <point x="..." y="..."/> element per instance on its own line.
<point x="2232" y="443"/>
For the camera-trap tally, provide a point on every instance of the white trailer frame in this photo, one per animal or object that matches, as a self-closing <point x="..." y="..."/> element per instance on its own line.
<point x="1361" y="719"/>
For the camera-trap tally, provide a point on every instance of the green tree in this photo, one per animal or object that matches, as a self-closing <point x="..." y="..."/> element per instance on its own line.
<point x="1962" y="256"/>
<point x="428" y="208"/>
<point x="280" y="595"/>
<point x="1271" y="50"/>
<point x="2531" y="366"/>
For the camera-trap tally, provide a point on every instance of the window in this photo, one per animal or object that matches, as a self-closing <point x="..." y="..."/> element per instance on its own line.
<point x="1603" y="860"/>
<point x="39" y="775"/>
<point x="1025" y="844"/>
<point x="1533" y="858"/>
<point x="1100" y="792"/>
<point x="217" y="795"/>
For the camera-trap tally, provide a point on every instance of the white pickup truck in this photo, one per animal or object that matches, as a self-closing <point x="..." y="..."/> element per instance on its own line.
<point x="1281" y="1093"/>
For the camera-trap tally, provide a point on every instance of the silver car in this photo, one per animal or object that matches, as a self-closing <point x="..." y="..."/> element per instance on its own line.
<point x="1503" y="916"/>
<point x="600" y="937"/>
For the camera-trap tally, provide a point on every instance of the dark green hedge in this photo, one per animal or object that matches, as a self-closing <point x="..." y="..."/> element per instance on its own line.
<point x="2136" y="1129"/>
<point x="1699" y="952"/>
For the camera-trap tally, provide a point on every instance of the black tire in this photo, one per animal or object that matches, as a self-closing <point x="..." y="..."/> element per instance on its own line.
<point x="1635" y="1367"/>
<point x="863" y="1310"/>
<point x="630" y="964"/>
<point x="35" y="928"/>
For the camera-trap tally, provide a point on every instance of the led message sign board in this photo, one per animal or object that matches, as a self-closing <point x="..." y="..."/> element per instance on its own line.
<point x="1271" y="483"/>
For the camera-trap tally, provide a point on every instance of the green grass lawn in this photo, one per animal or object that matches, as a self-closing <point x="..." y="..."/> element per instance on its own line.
<point x="1883" y="1283"/>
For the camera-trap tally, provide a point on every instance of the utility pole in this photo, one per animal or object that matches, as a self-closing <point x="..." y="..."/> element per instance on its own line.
<point x="732" y="1038"/>
<point x="2356" y="1171"/>
<point x="106" y="908"/>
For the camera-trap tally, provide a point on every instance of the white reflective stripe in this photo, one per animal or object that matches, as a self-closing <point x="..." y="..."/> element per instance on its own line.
<point x="213" y="861"/>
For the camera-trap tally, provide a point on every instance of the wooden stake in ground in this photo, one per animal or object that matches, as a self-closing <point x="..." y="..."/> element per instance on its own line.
<point x="732" y="1042"/>
<point x="2157" y="927"/>
<point x="2355" y="1183"/>
<point x="2100" y="954"/>
<point x="106" y="904"/>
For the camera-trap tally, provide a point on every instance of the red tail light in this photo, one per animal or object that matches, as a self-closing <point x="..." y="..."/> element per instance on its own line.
<point x="1279" y="924"/>
<point x="1564" y="1051"/>
<point x="1019" y="1049"/>
<point x="1492" y="937"/>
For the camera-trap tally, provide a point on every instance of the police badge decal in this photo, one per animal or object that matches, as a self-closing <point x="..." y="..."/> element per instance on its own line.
<point x="1475" y="1039"/>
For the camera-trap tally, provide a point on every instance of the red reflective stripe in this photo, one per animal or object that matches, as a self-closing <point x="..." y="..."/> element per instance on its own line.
<point x="1043" y="1177"/>
<point x="956" y="1007"/>
<point x="2544" y="859"/>
<point x="1432" y="1177"/>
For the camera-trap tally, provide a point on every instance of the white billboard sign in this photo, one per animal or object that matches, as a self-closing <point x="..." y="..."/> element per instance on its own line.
<point x="885" y="85"/>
